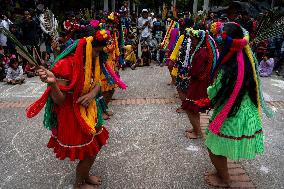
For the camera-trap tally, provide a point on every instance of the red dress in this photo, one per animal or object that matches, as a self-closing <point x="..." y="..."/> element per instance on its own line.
<point x="199" y="81"/>
<point x="68" y="139"/>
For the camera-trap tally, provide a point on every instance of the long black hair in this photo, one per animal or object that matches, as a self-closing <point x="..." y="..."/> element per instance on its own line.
<point x="229" y="77"/>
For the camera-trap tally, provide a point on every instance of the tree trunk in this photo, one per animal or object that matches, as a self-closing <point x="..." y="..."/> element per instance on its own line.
<point x="206" y="6"/>
<point x="195" y="3"/>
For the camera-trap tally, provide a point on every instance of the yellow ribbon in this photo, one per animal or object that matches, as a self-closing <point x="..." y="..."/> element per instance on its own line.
<point x="89" y="114"/>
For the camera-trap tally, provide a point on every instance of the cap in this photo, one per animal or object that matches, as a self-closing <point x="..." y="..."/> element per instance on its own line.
<point x="144" y="10"/>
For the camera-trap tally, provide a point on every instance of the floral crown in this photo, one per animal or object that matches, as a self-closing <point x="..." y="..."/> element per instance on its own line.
<point x="197" y="33"/>
<point x="114" y="17"/>
<point x="216" y="29"/>
<point x="102" y="34"/>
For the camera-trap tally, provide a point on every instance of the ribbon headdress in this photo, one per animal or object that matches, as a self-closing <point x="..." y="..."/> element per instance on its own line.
<point x="82" y="82"/>
<point x="206" y="40"/>
<point x="237" y="46"/>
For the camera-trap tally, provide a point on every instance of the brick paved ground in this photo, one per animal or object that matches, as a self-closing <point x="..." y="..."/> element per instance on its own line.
<point x="147" y="147"/>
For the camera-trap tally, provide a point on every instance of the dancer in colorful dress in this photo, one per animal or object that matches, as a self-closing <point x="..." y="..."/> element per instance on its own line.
<point x="168" y="45"/>
<point x="73" y="84"/>
<point x="235" y="130"/>
<point x="203" y="56"/>
<point x="112" y="50"/>
<point x="181" y="56"/>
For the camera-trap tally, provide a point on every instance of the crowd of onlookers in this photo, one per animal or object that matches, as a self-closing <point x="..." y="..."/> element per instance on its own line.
<point x="26" y="28"/>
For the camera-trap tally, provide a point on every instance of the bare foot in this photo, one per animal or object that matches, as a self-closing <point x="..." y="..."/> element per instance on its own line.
<point x="109" y="113"/>
<point x="85" y="186"/>
<point x="88" y="186"/>
<point x="189" y="130"/>
<point x="191" y="135"/>
<point x="105" y="116"/>
<point x="180" y="110"/>
<point x="94" y="180"/>
<point x="210" y="173"/>
<point x="215" y="181"/>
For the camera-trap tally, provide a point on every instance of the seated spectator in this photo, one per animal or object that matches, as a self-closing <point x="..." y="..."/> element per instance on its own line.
<point x="261" y="50"/>
<point x="7" y="57"/>
<point x="266" y="66"/>
<point x="146" y="56"/>
<point x="30" y="70"/>
<point x="130" y="56"/>
<point x="2" y="68"/>
<point x="15" y="73"/>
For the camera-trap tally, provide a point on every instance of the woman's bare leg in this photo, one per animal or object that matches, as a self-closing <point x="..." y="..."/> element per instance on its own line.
<point x="83" y="171"/>
<point x="194" y="119"/>
<point x="221" y="177"/>
<point x="182" y="96"/>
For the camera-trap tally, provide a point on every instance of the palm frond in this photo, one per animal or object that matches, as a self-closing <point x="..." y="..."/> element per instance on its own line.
<point x="23" y="54"/>
<point x="269" y="33"/>
<point x="19" y="47"/>
<point x="269" y="20"/>
<point x="269" y="26"/>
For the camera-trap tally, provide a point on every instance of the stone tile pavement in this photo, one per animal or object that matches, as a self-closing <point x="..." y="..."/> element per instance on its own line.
<point x="146" y="149"/>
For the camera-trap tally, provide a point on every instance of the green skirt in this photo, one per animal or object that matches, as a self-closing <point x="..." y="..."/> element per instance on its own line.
<point x="241" y="136"/>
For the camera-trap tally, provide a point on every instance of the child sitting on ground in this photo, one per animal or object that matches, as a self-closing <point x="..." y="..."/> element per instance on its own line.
<point x="266" y="66"/>
<point x="146" y="56"/>
<point x="130" y="56"/>
<point x="15" y="73"/>
<point x="30" y="70"/>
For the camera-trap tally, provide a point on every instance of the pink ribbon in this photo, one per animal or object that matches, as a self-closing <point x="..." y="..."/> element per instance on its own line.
<point x="215" y="125"/>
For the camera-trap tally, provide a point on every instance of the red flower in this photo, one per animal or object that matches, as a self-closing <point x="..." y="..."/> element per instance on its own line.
<point x="203" y="102"/>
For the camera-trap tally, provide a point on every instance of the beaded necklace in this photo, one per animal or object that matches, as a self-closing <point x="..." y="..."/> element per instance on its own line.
<point x="188" y="47"/>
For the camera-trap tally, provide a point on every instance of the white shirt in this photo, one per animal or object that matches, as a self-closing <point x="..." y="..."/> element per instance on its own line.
<point x="15" y="74"/>
<point x="3" y="39"/>
<point x="145" y="30"/>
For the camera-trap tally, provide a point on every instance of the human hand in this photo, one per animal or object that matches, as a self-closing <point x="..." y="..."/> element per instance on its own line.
<point x="86" y="99"/>
<point x="146" y="23"/>
<point x="55" y="46"/>
<point x="46" y="76"/>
